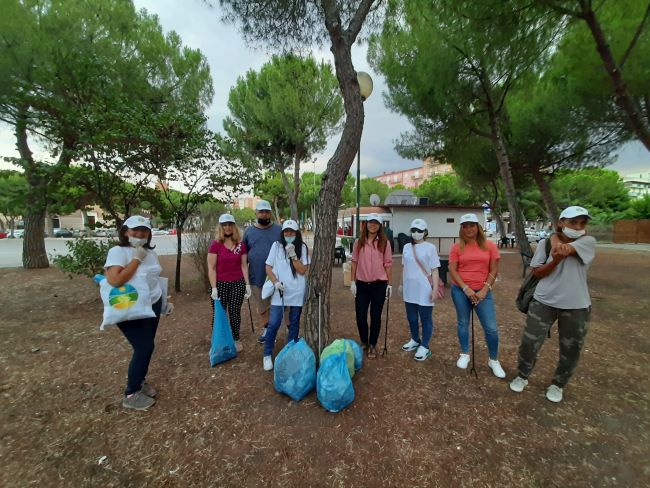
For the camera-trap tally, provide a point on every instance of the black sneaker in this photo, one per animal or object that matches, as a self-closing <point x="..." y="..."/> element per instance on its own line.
<point x="262" y="338"/>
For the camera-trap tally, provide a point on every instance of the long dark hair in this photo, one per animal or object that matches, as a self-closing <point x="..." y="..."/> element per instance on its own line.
<point x="298" y="244"/>
<point x="381" y="235"/>
<point x="123" y="239"/>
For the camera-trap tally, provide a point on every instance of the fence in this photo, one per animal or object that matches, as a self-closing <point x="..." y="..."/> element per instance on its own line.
<point x="632" y="231"/>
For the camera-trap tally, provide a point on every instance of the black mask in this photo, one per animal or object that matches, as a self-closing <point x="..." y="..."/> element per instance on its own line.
<point x="264" y="221"/>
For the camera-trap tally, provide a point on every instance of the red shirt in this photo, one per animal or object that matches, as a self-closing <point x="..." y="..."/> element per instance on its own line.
<point x="371" y="262"/>
<point x="228" y="262"/>
<point x="474" y="262"/>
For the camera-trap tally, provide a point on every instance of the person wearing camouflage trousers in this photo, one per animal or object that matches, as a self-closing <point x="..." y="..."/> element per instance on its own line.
<point x="561" y="295"/>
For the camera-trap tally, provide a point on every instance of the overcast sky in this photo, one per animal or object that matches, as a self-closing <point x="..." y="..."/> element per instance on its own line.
<point x="200" y="27"/>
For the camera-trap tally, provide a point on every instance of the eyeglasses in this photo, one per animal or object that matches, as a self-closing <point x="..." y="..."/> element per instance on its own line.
<point x="414" y="229"/>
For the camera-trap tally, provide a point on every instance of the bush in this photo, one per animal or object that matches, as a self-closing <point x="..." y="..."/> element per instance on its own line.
<point x="85" y="257"/>
<point x="198" y="244"/>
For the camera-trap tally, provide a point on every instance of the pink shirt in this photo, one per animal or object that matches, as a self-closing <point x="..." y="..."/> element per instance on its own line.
<point x="474" y="262"/>
<point x="228" y="262"/>
<point x="371" y="262"/>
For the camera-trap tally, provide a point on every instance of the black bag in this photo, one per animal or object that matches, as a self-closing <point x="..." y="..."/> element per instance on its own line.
<point x="527" y="289"/>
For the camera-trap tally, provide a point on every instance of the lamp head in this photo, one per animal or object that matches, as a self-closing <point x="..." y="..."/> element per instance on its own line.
<point x="365" y="84"/>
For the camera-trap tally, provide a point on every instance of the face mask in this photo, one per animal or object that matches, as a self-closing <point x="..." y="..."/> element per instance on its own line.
<point x="417" y="235"/>
<point x="572" y="233"/>
<point x="136" y="241"/>
<point x="264" y="221"/>
<point x="290" y="239"/>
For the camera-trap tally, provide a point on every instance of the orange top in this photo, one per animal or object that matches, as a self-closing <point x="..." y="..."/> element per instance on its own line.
<point x="474" y="262"/>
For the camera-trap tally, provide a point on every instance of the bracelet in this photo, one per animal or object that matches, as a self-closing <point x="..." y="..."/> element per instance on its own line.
<point x="465" y="288"/>
<point x="488" y="285"/>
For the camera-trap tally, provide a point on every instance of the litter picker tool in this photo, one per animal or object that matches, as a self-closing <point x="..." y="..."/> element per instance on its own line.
<point x="473" y="369"/>
<point x="385" y="351"/>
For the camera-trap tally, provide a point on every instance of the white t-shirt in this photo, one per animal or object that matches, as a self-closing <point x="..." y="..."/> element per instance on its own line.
<point x="566" y="286"/>
<point x="415" y="286"/>
<point x="294" y="287"/>
<point x="150" y="267"/>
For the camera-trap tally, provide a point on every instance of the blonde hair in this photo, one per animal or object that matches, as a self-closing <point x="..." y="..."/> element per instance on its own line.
<point x="236" y="234"/>
<point x="480" y="238"/>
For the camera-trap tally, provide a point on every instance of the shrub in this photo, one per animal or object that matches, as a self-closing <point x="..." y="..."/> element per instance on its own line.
<point x="198" y="244"/>
<point x="85" y="257"/>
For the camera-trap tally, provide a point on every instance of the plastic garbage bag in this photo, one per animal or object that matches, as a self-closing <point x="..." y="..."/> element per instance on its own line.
<point x="223" y="345"/>
<point x="294" y="371"/>
<point x="358" y="353"/>
<point x="337" y="347"/>
<point x="334" y="384"/>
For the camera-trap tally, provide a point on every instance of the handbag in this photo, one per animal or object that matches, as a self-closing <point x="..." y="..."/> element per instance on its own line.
<point x="528" y="286"/>
<point x="131" y="301"/>
<point x="441" y="284"/>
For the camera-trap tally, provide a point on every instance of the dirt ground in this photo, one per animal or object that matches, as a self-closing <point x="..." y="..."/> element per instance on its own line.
<point x="411" y="424"/>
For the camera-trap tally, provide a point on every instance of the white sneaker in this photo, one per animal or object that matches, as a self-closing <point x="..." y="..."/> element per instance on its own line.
<point x="410" y="346"/>
<point x="463" y="361"/>
<point x="238" y="346"/>
<point x="496" y="368"/>
<point x="268" y="363"/>
<point x="518" y="384"/>
<point x="554" y="393"/>
<point x="422" y="354"/>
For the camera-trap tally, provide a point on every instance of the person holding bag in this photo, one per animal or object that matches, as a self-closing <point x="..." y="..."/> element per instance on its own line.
<point x="420" y="282"/>
<point x="133" y="256"/>
<point x="561" y="294"/>
<point x="228" y="273"/>
<point x="286" y="266"/>
<point x="473" y="266"/>
<point x="371" y="274"/>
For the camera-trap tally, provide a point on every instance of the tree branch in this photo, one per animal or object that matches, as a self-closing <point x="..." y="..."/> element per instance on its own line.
<point x="357" y="20"/>
<point x="635" y="38"/>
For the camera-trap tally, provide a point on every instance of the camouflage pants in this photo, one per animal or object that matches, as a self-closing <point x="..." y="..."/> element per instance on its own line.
<point x="572" y="324"/>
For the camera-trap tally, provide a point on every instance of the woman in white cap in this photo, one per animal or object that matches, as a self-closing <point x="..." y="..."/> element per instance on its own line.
<point x="473" y="266"/>
<point x="228" y="272"/>
<point x="371" y="274"/>
<point x="286" y="266"/>
<point x="420" y="283"/>
<point x="561" y="294"/>
<point x="133" y="255"/>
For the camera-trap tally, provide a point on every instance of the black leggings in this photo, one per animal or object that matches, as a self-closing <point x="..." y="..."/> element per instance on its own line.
<point x="370" y="295"/>
<point x="231" y="294"/>
<point x="141" y="334"/>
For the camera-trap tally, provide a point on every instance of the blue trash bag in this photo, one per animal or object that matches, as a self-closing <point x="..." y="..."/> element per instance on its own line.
<point x="223" y="345"/>
<point x="294" y="371"/>
<point x="358" y="353"/>
<point x="333" y="383"/>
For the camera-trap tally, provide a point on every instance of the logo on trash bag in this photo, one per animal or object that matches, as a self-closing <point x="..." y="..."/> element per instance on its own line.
<point x="123" y="297"/>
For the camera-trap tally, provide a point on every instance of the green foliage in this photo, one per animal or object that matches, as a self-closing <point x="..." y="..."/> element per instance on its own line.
<point x="368" y="187"/>
<point x="13" y="187"/>
<point x="639" y="208"/>
<point x="446" y="190"/>
<point x="243" y="215"/>
<point x="85" y="257"/>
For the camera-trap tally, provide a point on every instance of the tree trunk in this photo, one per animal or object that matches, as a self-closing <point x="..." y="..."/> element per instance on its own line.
<point x="622" y="97"/>
<point x="501" y="226"/>
<point x="508" y="181"/>
<point x="179" y="255"/>
<point x="552" y="211"/>
<point x="275" y="207"/>
<point x="320" y="274"/>
<point x="34" y="254"/>
<point x="296" y="183"/>
<point x="49" y="224"/>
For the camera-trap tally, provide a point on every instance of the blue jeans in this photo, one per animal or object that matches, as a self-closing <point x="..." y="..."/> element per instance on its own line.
<point x="486" y="315"/>
<point x="413" y="310"/>
<point x="275" y="320"/>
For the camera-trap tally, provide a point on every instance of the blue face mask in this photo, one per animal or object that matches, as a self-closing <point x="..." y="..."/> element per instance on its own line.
<point x="290" y="239"/>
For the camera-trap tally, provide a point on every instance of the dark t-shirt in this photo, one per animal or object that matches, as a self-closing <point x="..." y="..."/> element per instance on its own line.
<point x="258" y="242"/>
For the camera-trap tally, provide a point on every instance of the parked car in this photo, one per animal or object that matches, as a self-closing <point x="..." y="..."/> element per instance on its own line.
<point x="3" y="235"/>
<point x="105" y="233"/>
<point x="62" y="233"/>
<point x="17" y="233"/>
<point x="159" y="232"/>
<point x="172" y="232"/>
<point x="83" y="233"/>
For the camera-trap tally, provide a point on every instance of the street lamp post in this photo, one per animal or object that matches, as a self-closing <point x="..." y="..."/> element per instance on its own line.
<point x="365" y="87"/>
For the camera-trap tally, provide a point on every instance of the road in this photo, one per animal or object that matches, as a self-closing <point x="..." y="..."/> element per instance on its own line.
<point x="11" y="249"/>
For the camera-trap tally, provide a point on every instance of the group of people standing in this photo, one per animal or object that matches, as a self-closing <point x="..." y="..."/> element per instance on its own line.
<point x="270" y="261"/>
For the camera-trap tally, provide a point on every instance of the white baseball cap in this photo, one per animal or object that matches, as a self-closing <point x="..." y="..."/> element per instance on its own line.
<point x="574" y="211"/>
<point x="419" y="224"/>
<point x="469" y="218"/>
<point x="226" y="218"/>
<point x="290" y="224"/>
<point x="137" y="221"/>
<point x="263" y="205"/>
<point x="373" y="216"/>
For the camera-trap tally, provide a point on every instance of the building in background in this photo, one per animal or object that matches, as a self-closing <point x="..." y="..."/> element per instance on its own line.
<point x="410" y="178"/>
<point x="637" y="184"/>
<point x="245" y="201"/>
